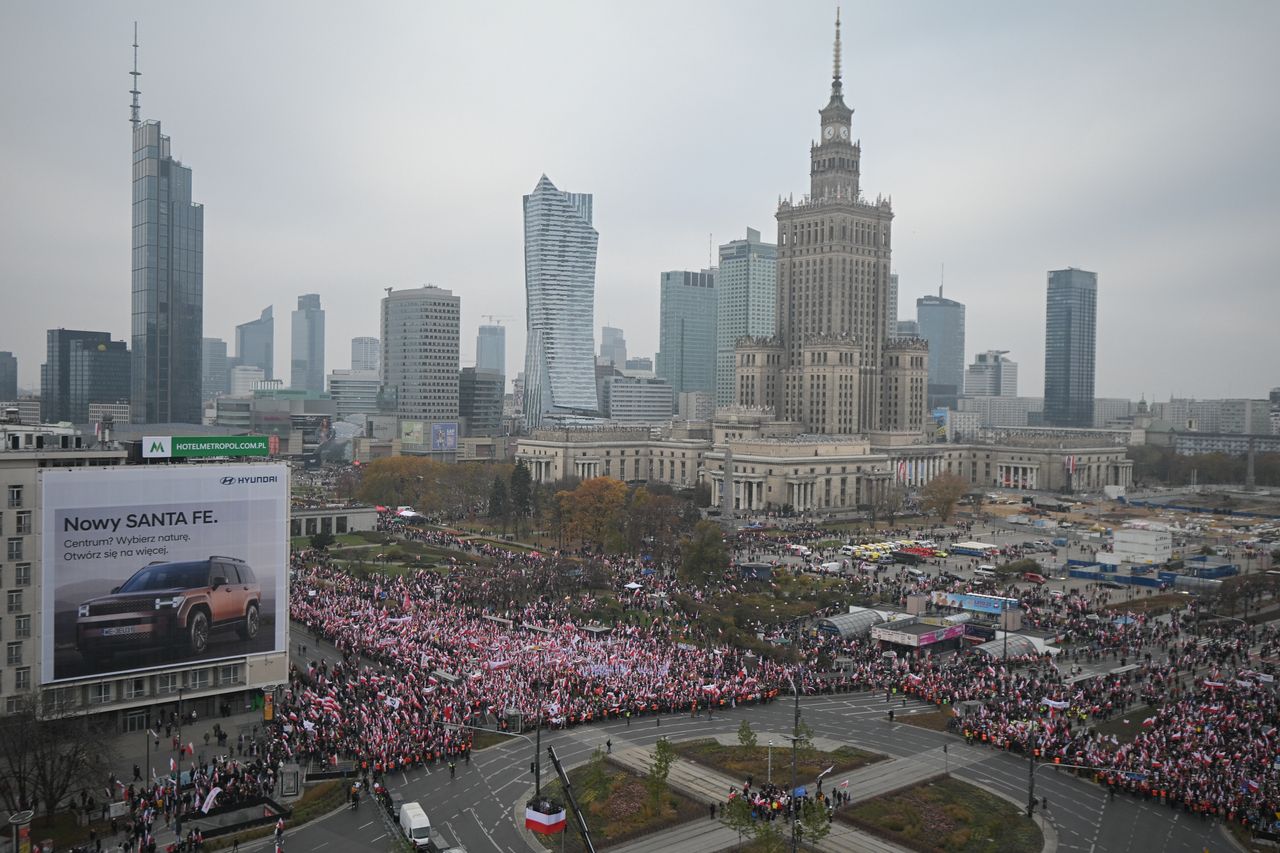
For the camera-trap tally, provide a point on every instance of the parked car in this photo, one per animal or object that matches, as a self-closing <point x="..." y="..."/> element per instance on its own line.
<point x="1034" y="577"/>
<point x="168" y="604"/>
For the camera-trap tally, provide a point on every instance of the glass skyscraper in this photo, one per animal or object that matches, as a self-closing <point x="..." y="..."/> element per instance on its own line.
<point x="168" y="284"/>
<point x="365" y="353"/>
<point x="687" y="331"/>
<point x="55" y="373"/>
<point x="99" y="373"/>
<point x="746" y="303"/>
<point x="941" y="322"/>
<point x="256" y="343"/>
<point x="1070" y="343"/>
<point x="560" y="287"/>
<point x="491" y="349"/>
<point x="214" y="379"/>
<point x="307" y="345"/>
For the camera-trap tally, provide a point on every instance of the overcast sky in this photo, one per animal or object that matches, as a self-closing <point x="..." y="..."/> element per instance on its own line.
<point x="345" y="148"/>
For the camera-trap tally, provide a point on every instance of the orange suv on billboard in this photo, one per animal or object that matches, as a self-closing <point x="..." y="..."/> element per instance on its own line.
<point x="171" y="605"/>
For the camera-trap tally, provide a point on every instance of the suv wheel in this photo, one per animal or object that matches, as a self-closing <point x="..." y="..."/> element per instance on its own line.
<point x="249" y="627"/>
<point x="198" y="632"/>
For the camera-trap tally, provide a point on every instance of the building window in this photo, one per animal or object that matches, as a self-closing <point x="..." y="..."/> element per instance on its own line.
<point x="135" y="721"/>
<point x="13" y="654"/>
<point x="15" y="497"/>
<point x="11" y="705"/>
<point x="135" y="688"/>
<point x="24" y="523"/>
<point x="199" y="679"/>
<point x="14" y="601"/>
<point x="100" y="693"/>
<point x="15" y="549"/>
<point x="229" y="674"/>
<point x="167" y="683"/>
<point x="22" y="574"/>
<point x="22" y="678"/>
<point x="341" y="526"/>
<point x="22" y="626"/>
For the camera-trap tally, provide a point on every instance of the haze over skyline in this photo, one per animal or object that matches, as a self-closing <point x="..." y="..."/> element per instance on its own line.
<point x="340" y="154"/>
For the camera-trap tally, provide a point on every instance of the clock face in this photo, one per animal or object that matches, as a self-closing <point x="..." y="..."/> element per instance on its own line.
<point x="844" y="133"/>
<point x="828" y="131"/>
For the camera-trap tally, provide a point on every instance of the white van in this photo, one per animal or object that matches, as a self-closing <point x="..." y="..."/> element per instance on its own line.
<point x="846" y="550"/>
<point x="415" y="826"/>
<point x="984" y="571"/>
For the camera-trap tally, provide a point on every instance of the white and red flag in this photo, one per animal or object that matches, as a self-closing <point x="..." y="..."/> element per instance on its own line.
<point x="546" y="824"/>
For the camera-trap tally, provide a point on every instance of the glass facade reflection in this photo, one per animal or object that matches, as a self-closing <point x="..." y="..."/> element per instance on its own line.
<point x="560" y="288"/>
<point x="1069" y="347"/>
<point x="168" y="284"/>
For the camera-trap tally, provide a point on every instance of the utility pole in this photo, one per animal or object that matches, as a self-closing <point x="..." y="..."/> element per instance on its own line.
<point x="795" y="753"/>
<point x="537" y="745"/>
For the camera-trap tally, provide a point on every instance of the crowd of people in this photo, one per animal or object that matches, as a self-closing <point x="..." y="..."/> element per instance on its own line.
<point x="497" y="637"/>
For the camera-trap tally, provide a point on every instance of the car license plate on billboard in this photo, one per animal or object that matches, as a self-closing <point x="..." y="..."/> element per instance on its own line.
<point x="119" y="630"/>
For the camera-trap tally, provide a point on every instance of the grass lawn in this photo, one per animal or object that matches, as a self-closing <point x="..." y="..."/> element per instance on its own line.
<point x="617" y="807"/>
<point x="483" y="740"/>
<point x="738" y="763"/>
<point x="935" y="720"/>
<point x="948" y="815"/>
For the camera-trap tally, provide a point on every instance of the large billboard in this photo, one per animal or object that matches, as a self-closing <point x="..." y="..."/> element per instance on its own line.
<point x="151" y="566"/>
<point x="444" y="436"/>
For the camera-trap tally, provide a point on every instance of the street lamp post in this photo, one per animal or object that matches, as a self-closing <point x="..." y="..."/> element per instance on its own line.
<point x="770" y="779"/>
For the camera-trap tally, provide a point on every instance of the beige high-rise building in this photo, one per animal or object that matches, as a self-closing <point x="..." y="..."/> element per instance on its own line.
<point x="826" y="368"/>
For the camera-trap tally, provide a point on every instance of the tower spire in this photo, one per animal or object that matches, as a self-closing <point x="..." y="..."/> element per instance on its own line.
<point x="835" y="56"/>
<point x="135" y="73"/>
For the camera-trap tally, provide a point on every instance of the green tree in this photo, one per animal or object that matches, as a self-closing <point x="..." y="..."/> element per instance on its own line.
<point x="815" y="820"/>
<point x="499" y="506"/>
<point x="521" y="494"/>
<point x="703" y="554"/>
<point x="769" y="836"/>
<point x="321" y="540"/>
<point x="747" y="739"/>
<point x="736" y="814"/>
<point x="656" y="781"/>
<point x="941" y="494"/>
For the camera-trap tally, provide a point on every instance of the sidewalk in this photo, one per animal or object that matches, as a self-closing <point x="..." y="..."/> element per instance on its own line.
<point x="709" y="786"/>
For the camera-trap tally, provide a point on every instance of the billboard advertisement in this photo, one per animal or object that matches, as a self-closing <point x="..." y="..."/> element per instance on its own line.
<point x="993" y="604"/>
<point x="444" y="436"/>
<point x="411" y="432"/>
<point x="151" y="566"/>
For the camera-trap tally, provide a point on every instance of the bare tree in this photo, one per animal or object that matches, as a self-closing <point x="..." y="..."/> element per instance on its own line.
<point x="44" y="756"/>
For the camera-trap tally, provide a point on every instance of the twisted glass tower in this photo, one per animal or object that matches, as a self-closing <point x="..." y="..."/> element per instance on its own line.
<point x="560" y="284"/>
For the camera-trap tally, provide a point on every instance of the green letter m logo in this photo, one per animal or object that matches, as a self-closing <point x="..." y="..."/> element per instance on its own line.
<point x="157" y="447"/>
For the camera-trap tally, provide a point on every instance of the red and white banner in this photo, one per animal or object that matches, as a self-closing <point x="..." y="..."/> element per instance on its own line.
<point x="547" y="824"/>
<point x="209" y="800"/>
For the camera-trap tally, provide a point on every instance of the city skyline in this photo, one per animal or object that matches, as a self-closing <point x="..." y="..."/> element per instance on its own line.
<point x="939" y="134"/>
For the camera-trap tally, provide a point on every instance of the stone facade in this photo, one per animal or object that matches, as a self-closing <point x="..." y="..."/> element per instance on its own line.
<point x="828" y="365"/>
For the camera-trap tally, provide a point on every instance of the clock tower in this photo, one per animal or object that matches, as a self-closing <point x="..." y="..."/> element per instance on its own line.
<point x="833" y="159"/>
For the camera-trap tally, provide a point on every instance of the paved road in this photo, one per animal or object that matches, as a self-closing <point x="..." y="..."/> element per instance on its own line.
<point x="478" y="807"/>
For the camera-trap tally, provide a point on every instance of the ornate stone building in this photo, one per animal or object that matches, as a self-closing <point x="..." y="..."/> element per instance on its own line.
<point x="829" y="367"/>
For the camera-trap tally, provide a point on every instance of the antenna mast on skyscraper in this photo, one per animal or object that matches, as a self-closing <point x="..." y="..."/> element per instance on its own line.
<point x="942" y="278"/>
<point x="835" y="50"/>
<point x="135" y="73"/>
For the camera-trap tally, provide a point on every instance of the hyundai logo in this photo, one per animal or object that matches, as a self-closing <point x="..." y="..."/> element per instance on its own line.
<point x="227" y="481"/>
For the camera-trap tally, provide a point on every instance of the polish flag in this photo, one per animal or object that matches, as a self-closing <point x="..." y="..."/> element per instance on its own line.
<point x="173" y="765"/>
<point x="545" y="824"/>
